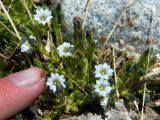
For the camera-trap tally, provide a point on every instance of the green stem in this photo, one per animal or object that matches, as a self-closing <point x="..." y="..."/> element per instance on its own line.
<point x="12" y="33"/>
<point x="28" y="11"/>
<point x="77" y="85"/>
<point x="145" y="84"/>
<point x="10" y="20"/>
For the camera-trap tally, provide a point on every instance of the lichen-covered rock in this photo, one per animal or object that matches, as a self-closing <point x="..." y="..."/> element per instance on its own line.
<point x="140" y="22"/>
<point x="87" y="116"/>
<point x="120" y="112"/>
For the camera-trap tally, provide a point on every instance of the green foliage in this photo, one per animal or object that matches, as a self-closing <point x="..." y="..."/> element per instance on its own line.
<point x="77" y="69"/>
<point x="130" y="78"/>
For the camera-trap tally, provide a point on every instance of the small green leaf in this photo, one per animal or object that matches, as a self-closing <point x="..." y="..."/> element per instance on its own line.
<point x="38" y="63"/>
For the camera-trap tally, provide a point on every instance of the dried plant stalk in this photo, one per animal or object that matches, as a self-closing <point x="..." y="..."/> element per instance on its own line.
<point x="85" y="13"/>
<point x="145" y="84"/>
<point x="14" y="27"/>
<point x="10" y="20"/>
<point x="115" y="75"/>
<point x="28" y="11"/>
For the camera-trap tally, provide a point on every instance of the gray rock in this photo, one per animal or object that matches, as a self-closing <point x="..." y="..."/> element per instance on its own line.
<point x="118" y="112"/>
<point x="140" y="22"/>
<point x="88" y="116"/>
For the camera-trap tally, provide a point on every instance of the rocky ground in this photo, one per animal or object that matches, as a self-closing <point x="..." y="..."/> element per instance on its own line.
<point x="118" y="112"/>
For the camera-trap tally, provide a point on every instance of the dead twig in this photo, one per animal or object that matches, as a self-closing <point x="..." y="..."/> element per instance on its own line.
<point x="3" y="56"/>
<point x="8" y="57"/>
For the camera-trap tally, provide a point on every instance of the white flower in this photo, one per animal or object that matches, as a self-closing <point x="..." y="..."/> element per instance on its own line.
<point x="96" y="42"/>
<point x="55" y="81"/>
<point x="26" y="47"/>
<point x="103" y="87"/>
<point x="103" y="71"/>
<point x="43" y="16"/>
<point x="32" y="37"/>
<point x="65" y="49"/>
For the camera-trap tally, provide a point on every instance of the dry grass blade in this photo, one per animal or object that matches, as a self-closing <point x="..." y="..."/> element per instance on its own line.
<point x="145" y="84"/>
<point x="50" y="45"/>
<point x="3" y="56"/>
<point x="154" y="72"/>
<point x="16" y="32"/>
<point x="15" y="29"/>
<point x="110" y="34"/>
<point x="28" y="11"/>
<point x="85" y="13"/>
<point x="115" y="75"/>
<point x="119" y="61"/>
<point x="10" y="20"/>
<point x="153" y="25"/>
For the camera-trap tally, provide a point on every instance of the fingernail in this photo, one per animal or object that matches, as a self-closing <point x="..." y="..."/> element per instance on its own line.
<point x="27" y="77"/>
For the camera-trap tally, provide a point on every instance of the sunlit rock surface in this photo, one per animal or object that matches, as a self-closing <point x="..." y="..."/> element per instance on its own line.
<point x="139" y="22"/>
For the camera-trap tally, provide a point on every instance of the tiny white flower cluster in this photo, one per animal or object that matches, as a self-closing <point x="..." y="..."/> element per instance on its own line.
<point x="32" y="37"/>
<point x="103" y="87"/>
<point x="26" y="46"/>
<point x="66" y="49"/>
<point x="55" y="81"/>
<point x="43" y="16"/>
<point x="103" y="72"/>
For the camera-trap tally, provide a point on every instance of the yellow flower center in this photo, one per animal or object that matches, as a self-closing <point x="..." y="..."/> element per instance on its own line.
<point x="65" y="49"/>
<point x="42" y="17"/>
<point x="56" y="82"/>
<point x="101" y="87"/>
<point x="103" y="72"/>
